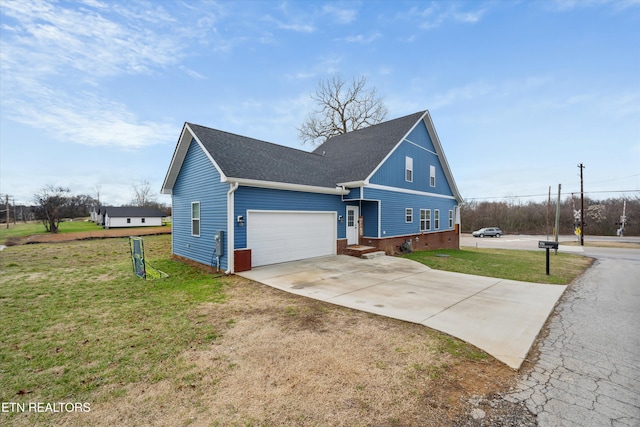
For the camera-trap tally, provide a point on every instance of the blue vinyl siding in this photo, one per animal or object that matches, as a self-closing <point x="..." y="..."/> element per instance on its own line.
<point x="369" y="211"/>
<point x="198" y="181"/>
<point x="252" y="198"/>
<point x="420" y="136"/>
<point x="354" y="194"/>
<point x="420" y="149"/>
<point x="393" y="205"/>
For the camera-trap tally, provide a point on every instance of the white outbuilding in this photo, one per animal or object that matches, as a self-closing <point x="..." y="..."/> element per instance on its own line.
<point x="132" y="217"/>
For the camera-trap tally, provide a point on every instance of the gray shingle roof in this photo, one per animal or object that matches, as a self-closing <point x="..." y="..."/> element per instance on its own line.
<point x="132" y="211"/>
<point x="344" y="158"/>
<point x="356" y="154"/>
<point x="248" y="158"/>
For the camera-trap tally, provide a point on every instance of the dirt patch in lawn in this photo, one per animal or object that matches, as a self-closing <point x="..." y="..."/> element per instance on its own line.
<point x="282" y="359"/>
<point x="97" y="234"/>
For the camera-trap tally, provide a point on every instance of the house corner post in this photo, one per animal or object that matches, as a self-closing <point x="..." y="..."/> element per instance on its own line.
<point x="230" y="228"/>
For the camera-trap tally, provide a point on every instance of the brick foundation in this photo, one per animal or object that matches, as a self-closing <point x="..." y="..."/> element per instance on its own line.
<point x="428" y="241"/>
<point x="341" y="246"/>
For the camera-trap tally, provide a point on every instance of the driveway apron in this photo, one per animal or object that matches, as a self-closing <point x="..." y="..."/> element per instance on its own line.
<point x="502" y="317"/>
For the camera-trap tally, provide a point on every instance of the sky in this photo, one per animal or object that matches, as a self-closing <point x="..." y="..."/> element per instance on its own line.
<point x="94" y="93"/>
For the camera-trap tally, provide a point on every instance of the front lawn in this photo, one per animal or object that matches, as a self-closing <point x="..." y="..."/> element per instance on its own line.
<point x="527" y="266"/>
<point x="197" y="349"/>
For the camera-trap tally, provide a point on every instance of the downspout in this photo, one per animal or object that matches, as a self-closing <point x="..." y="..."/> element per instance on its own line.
<point x="230" y="228"/>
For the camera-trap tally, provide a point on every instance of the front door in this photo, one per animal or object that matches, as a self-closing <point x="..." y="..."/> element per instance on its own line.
<point x="352" y="225"/>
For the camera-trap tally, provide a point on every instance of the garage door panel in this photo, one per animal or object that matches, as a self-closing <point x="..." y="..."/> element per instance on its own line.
<point x="275" y="237"/>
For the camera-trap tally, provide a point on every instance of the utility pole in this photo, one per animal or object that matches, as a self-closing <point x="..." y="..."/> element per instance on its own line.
<point x="581" y="166"/>
<point x="557" y="231"/>
<point x="623" y="219"/>
<point x="6" y="205"/>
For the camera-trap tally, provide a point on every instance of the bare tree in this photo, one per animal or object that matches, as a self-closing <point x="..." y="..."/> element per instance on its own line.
<point x="530" y="218"/>
<point x="341" y="108"/>
<point x="142" y="195"/>
<point x="97" y="189"/>
<point x="52" y="205"/>
<point x="79" y="205"/>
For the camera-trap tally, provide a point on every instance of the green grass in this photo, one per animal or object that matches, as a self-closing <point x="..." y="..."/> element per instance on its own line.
<point x="77" y="323"/>
<point x="30" y="228"/>
<point x="527" y="266"/>
<point x="459" y="348"/>
<point x="20" y="230"/>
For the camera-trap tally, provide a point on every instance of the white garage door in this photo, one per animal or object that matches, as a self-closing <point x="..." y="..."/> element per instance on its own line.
<point x="280" y="236"/>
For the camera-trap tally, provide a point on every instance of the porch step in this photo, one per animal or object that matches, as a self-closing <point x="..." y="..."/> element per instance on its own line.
<point x="372" y="255"/>
<point x="359" y="250"/>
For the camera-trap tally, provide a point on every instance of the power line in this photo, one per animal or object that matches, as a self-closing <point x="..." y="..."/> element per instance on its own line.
<point x="614" y="179"/>
<point x="540" y="195"/>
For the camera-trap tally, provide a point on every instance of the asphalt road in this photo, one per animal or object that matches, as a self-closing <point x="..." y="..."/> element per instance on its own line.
<point x="588" y="370"/>
<point x="530" y="242"/>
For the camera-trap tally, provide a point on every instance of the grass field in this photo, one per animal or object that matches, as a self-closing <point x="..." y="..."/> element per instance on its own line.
<point x="527" y="266"/>
<point x="78" y="326"/>
<point x="35" y="227"/>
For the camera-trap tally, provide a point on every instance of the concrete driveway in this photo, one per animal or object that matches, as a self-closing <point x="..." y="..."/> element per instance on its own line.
<point x="502" y="317"/>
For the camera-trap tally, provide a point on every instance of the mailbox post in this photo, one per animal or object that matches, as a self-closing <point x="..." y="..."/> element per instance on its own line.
<point x="544" y="244"/>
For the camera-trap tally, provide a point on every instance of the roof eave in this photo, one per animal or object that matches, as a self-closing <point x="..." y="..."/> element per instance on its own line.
<point x="352" y="184"/>
<point x="286" y="186"/>
<point x="179" y="155"/>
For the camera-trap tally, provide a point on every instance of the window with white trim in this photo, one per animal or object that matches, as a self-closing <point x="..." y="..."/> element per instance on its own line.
<point x="195" y="219"/>
<point x="432" y="175"/>
<point x="408" y="167"/>
<point x="450" y="219"/>
<point x="425" y="219"/>
<point x="408" y="215"/>
<point x="436" y="219"/>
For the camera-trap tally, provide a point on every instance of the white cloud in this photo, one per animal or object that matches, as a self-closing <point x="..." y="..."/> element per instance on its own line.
<point x="325" y="66"/>
<point x="54" y="58"/>
<point x="299" y="27"/>
<point x="88" y="41"/>
<point x="300" y="23"/>
<point x="342" y="15"/>
<point x="87" y="119"/>
<point x="469" y="17"/>
<point x="618" y="5"/>
<point x="362" y="39"/>
<point x="471" y="91"/>
<point x="192" y="73"/>
<point x="435" y="14"/>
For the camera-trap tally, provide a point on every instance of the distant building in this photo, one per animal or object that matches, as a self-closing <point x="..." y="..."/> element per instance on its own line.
<point x="128" y="216"/>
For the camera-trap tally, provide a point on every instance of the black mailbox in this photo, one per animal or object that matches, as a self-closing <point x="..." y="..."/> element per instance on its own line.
<point x="544" y="244"/>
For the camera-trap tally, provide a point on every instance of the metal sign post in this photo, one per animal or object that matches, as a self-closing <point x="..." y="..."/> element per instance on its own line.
<point x="542" y="244"/>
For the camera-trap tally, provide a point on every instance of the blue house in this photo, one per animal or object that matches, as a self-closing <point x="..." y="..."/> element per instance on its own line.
<point x="380" y="186"/>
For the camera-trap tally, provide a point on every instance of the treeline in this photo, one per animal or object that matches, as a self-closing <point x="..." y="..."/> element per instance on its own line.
<point x="53" y="204"/>
<point x="602" y="217"/>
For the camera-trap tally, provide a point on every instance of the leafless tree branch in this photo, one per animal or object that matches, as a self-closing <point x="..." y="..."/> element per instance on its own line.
<point x="341" y="108"/>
